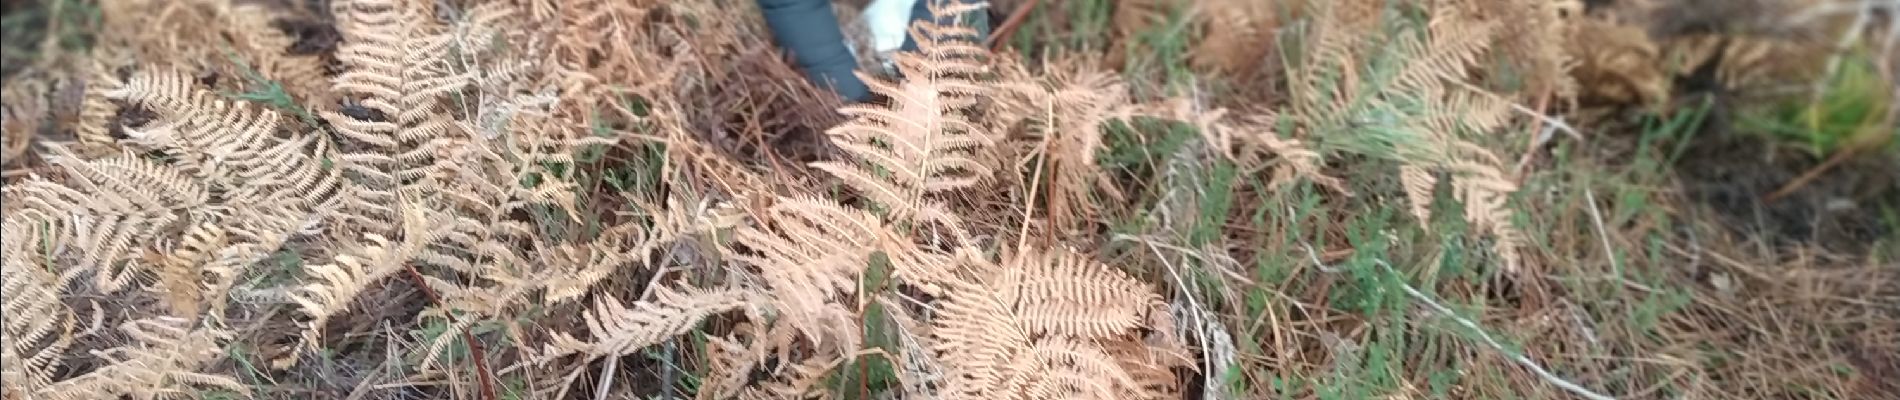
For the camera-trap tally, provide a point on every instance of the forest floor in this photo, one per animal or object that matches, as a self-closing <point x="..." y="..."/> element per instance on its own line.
<point x="1659" y="260"/>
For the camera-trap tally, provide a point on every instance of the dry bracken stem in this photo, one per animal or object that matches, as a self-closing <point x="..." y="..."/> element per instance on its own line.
<point x="606" y="378"/>
<point x="1603" y="235"/>
<point x="474" y="348"/>
<point x="1553" y="379"/>
<point x="1536" y="140"/>
<point x="1029" y="203"/>
<point x="1200" y="326"/>
<point x="1008" y="28"/>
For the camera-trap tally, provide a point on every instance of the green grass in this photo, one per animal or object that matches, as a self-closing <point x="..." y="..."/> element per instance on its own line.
<point x="1398" y="348"/>
<point x="1851" y="101"/>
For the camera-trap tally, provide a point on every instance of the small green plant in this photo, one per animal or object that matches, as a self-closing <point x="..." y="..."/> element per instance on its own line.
<point x="1850" y="107"/>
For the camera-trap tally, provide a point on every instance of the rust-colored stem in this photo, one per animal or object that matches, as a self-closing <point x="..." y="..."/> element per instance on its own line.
<point x="1008" y="28"/>
<point x="474" y="347"/>
<point x="1810" y="176"/>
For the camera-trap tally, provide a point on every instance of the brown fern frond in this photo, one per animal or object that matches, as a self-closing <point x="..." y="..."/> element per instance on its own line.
<point x="209" y="136"/>
<point x="1069" y="112"/>
<point x="1484" y="189"/>
<point x="1255" y="136"/>
<point x="618" y="330"/>
<point x="730" y="366"/>
<point x="162" y="362"/>
<point x="38" y="328"/>
<point x="810" y="254"/>
<point x="978" y="341"/>
<point x="333" y="287"/>
<point x="391" y="93"/>
<point x="336" y="285"/>
<point x="233" y="145"/>
<point x="579" y="267"/>
<point x="1453" y="47"/>
<point x="181" y="275"/>
<point x="1419" y="185"/>
<point x="1071" y="369"/>
<point x="1326" y="82"/>
<point x="114" y="207"/>
<point x="1029" y="328"/>
<point x="96" y="110"/>
<point x="1150" y="362"/>
<point x="1061" y="293"/>
<point x="130" y="182"/>
<point x="921" y="146"/>
<point x="272" y="184"/>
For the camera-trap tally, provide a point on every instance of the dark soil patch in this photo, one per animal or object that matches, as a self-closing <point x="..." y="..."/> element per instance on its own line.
<point x="1845" y="210"/>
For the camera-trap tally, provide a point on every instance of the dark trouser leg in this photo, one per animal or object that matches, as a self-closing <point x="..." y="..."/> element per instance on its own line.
<point x="809" y="31"/>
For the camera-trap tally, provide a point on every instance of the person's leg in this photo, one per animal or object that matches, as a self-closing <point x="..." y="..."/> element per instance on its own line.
<point x="809" y="31"/>
<point x="979" y="19"/>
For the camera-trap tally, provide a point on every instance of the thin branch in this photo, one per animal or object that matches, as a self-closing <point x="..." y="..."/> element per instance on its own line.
<point x="1553" y="379"/>
<point x="1195" y="310"/>
<point x="1539" y="370"/>
<point x="607" y="379"/>
<point x="474" y="347"/>
<point x="1008" y="28"/>
<point x="1603" y="235"/>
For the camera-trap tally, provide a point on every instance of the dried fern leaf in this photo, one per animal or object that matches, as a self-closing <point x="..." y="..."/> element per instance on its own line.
<point x="162" y="362"/>
<point x="114" y="207"/>
<point x="1419" y="185"/>
<point x="337" y="284"/>
<point x="1069" y="369"/>
<point x="619" y="330"/>
<point x="810" y="254"/>
<point x="1061" y="293"/>
<point x="38" y="328"/>
<point x="1068" y="110"/>
<point x="181" y="274"/>
<point x="978" y="341"/>
<point x="392" y="89"/>
<point x="730" y="368"/>
<point x="921" y="146"/>
<point x="96" y="110"/>
<point x="230" y="144"/>
<point x="333" y="287"/>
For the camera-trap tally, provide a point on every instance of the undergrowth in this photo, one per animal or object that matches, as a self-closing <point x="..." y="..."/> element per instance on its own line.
<point x="520" y="199"/>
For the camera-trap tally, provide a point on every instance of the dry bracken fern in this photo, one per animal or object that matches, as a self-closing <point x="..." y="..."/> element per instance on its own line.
<point x="1421" y="77"/>
<point x="920" y="147"/>
<point x="336" y="285"/>
<point x="1033" y="328"/>
<point x="809" y="257"/>
<point x="162" y="361"/>
<point x="38" y="328"/>
<point x="1068" y="111"/>
<point x="619" y="330"/>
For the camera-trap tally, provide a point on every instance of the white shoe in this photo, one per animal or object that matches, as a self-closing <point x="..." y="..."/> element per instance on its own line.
<point x="889" y="23"/>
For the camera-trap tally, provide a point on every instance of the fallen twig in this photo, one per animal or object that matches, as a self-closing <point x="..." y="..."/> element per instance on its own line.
<point x="1539" y="370"/>
<point x="606" y="379"/>
<point x="1008" y="28"/>
<point x="1553" y="379"/>
<point x="1809" y="176"/>
<point x="474" y="347"/>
